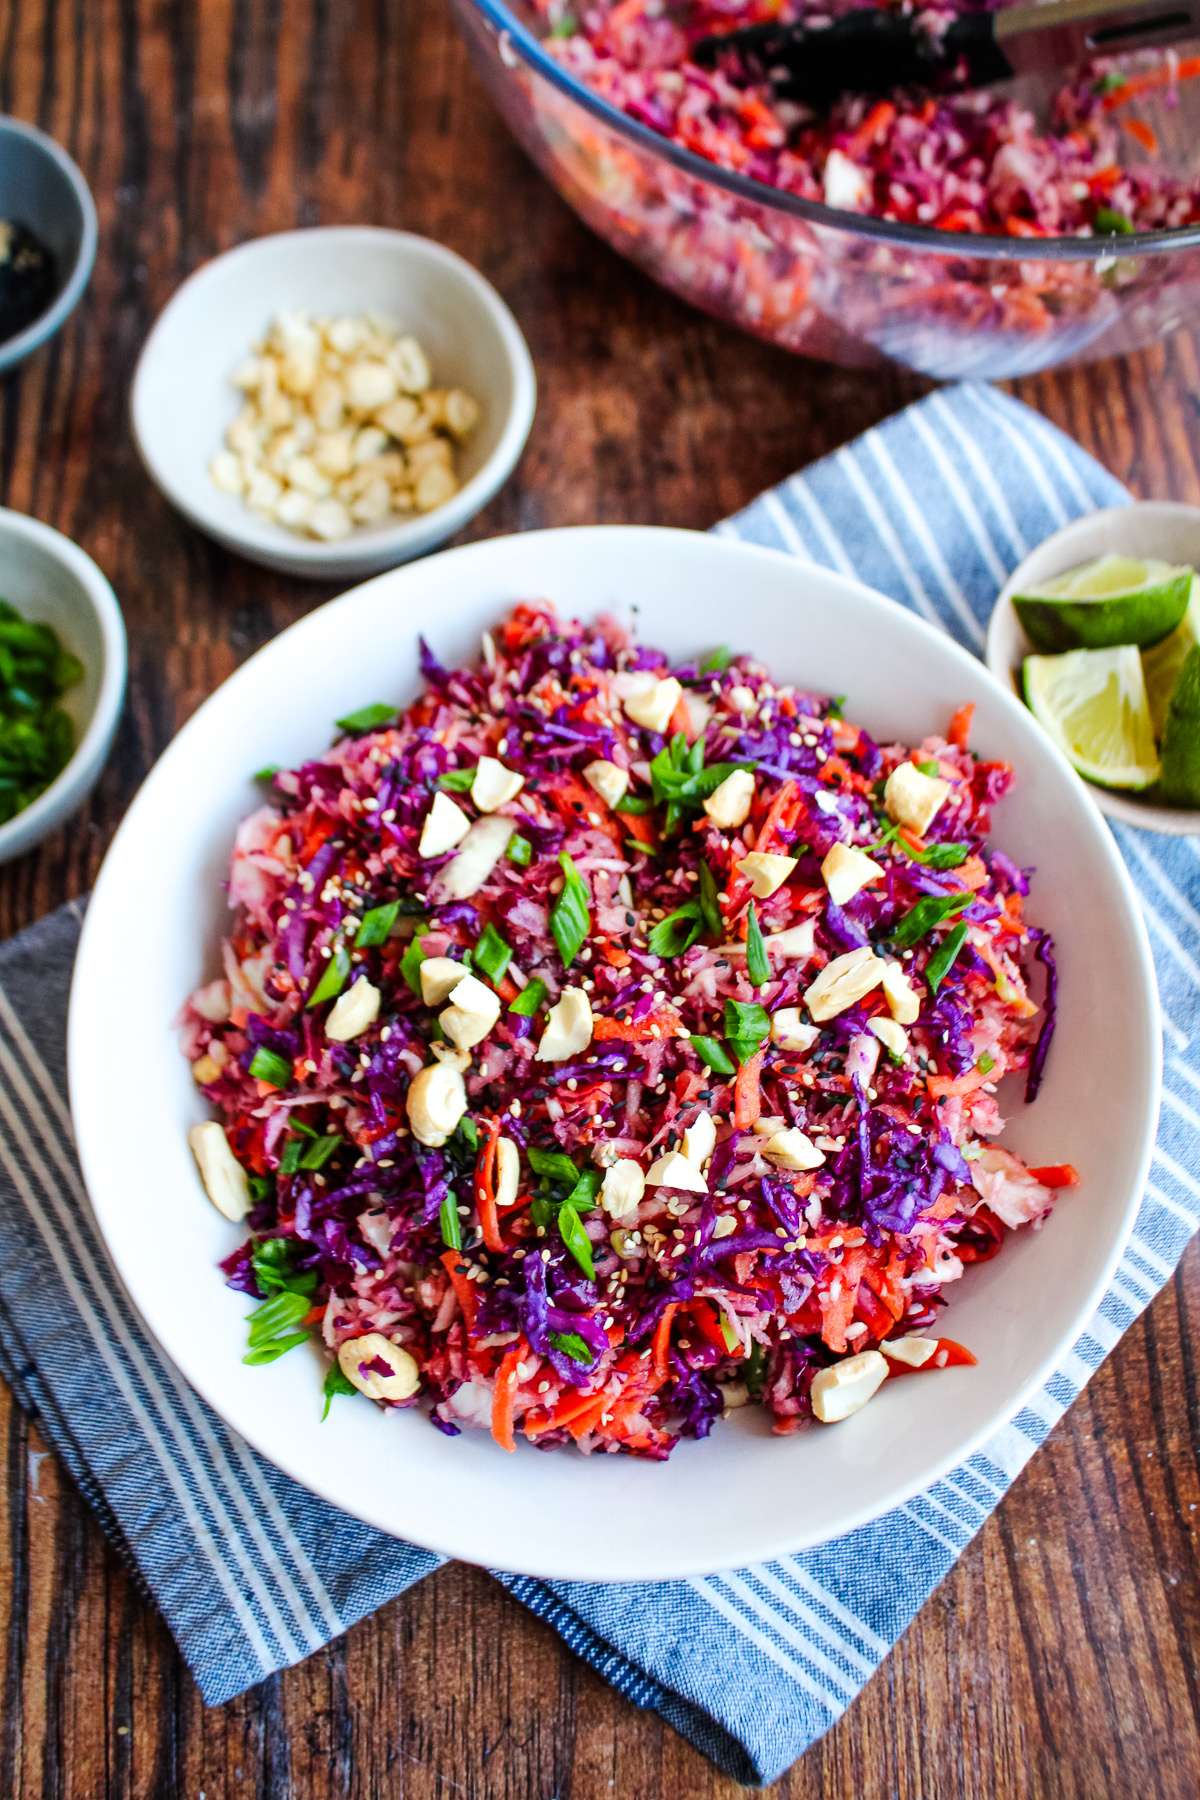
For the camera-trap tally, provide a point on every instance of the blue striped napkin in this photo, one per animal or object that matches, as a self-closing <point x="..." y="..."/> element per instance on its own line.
<point x="251" y="1573"/>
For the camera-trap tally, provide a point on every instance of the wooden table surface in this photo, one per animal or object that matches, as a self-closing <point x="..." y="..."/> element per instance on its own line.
<point x="1061" y="1656"/>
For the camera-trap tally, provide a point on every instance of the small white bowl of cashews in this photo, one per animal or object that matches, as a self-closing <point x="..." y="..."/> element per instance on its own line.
<point x="333" y="402"/>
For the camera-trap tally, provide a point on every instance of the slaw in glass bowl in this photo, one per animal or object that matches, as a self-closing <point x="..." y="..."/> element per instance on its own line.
<point x="834" y="283"/>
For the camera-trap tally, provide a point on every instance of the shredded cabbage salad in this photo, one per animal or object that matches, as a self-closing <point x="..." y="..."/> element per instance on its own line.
<point x="604" y="1043"/>
<point x="966" y="162"/>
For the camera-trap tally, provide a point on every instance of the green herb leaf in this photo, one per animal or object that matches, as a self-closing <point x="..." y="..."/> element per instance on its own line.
<point x="732" y="1340"/>
<point x="410" y="962"/>
<point x="468" y="1131"/>
<point x="375" y="926"/>
<point x="520" y="851"/>
<point x="268" y="772"/>
<point x="569" y="1343"/>
<point x="367" y="718"/>
<point x="457" y="781"/>
<point x="634" y="803"/>
<point x="449" y="1221"/>
<point x="986" y="1063"/>
<point x="754" y="1372"/>
<point x="555" y="1164"/>
<point x="529" y="999"/>
<point x="576" y="1239"/>
<point x="941" y="856"/>
<point x="677" y="932"/>
<point x="319" y="1153"/>
<point x="746" y="1022"/>
<point x="583" y="1195"/>
<point x="836" y="709"/>
<point x="758" y="968"/>
<point x="710" y="904"/>
<point x="570" y="918"/>
<point x="334" y="978"/>
<point x="928" y="912"/>
<point x="267" y="1065"/>
<point x="335" y="1385"/>
<point x="1108" y="219"/>
<point x="717" y="661"/>
<point x="942" y="960"/>
<point x="272" y="1261"/>
<point x="712" y="1055"/>
<point x="492" y="953"/>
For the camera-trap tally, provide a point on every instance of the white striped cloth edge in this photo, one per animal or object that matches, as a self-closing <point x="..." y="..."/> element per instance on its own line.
<point x="252" y="1573"/>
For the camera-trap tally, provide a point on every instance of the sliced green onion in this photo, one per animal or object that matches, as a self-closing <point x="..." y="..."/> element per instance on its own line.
<point x="334" y="978"/>
<point x="634" y="803"/>
<point x="710" y="905"/>
<point x="569" y="1343"/>
<point x="758" y="967"/>
<point x="270" y="1352"/>
<point x="335" y="1385"/>
<point x="268" y="1065"/>
<point x="1109" y="219"/>
<point x="942" y="960"/>
<point x="754" y="1372"/>
<point x="746" y="1021"/>
<point x="272" y="1262"/>
<point x="576" y="1239"/>
<point x="367" y="718"/>
<point x="458" y="781"/>
<point x="492" y="954"/>
<point x="375" y="926"/>
<point x="529" y="999"/>
<point x="927" y="913"/>
<point x="986" y="1063"/>
<point x="449" y="1222"/>
<point x="520" y="850"/>
<point x="410" y="962"/>
<point x="468" y="1131"/>
<point x="712" y="1055"/>
<point x="289" y="1162"/>
<point x="570" y="919"/>
<point x="319" y="1153"/>
<point x="268" y="772"/>
<point x="927" y="768"/>
<point x="717" y="661"/>
<point x="732" y="1340"/>
<point x="677" y="932"/>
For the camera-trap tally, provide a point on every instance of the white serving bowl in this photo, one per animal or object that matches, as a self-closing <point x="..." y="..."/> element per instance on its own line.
<point x="183" y="400"/>
<point x="1166" y="529"/>
<point x="51" y="580"/>
<point x="743" y="1494"/>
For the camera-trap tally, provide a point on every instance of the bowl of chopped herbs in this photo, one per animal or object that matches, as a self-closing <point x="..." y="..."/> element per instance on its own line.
<point x="62" y="679"/>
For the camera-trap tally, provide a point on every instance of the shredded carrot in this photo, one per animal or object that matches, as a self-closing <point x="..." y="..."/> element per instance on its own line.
<point x="451" y="1261"/>
<point x="1186" y="69"/>
<point x="662" y="1341"/>
<point x="505" y="1393"/>
<point x="313" y="1314"/>
<point x="485" y="1188"/>
<point x="959" y="733"/>
<point x="1142" y="134"/>
<point x="681" y="719"/>
<point x="942" y="1086"/>
<point x="747" y="1094"/>
<point x="872" y="129"/>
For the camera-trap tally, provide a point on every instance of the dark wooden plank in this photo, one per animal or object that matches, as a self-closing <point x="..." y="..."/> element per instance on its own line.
<point x="1060" y="1657"/>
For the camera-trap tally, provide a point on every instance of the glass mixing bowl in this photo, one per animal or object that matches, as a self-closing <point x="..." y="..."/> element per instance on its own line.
<point x="832" y="284"/>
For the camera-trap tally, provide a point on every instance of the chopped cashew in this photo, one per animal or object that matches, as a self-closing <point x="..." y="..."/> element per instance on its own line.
<point x="729" y="805"/>
<point x="792" y="1149"/>
<point x="622" y="1188"/>
<point x="843" y="981"/>
<point x="674" y="1170"/>
<point x="357" y="1357"/>
<point x="766" y="872"/>
<point x="914" y="1352"/>
<point x="436" y="1101"/>
<point x="473" y="1010"/>
<point x="652" y="703"/>
<point x="914" y="799"/>
<point x="568" y="1027"/>
<point x="790" y="1030"/>
<point x="482" y="848"/>
<point x="845" y="870"/>
<point x="904" y="1003"/>
<point x="699" y="1140"/>
<point x="796" y="944"/>
<point x="508" y="1171"/>
<point x="494" y="785"/>
<point x="445" y="826"/>
<point x="607" y="780"/>
<point x="440" y="975"/>
<point x="454" y="1059"/>
<point x="846" y="1386"/>
<point x="353" y="1011"/>
<point x="891" y="1035"/>
<point x="225" y="1180"/>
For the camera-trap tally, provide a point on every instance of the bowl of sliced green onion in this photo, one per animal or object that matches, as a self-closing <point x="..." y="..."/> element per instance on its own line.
<point x="62" y="679"/>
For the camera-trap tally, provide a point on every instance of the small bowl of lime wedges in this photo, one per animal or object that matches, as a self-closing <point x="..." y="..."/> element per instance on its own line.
<point x="1098" y="630"/>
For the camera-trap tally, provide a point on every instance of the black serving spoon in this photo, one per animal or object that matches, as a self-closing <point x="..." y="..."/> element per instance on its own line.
<point x="873" y="52"/>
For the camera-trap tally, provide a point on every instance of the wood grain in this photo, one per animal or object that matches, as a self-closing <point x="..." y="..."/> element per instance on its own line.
<point x="1060" y="1658"/>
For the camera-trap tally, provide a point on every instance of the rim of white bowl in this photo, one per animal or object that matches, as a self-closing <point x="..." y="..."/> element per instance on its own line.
<point x="1144" y="815"/>
<point x="786" y="1540"/>
<point x="44" y="813"/>
<point x="368" y="549"/>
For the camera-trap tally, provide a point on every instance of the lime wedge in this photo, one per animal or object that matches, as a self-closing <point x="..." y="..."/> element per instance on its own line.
<point x="1114" y="600"/>
<point x="1181" y="737"/>
<point x="1162" y="664"/>
<point x="1093" y="704"/>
